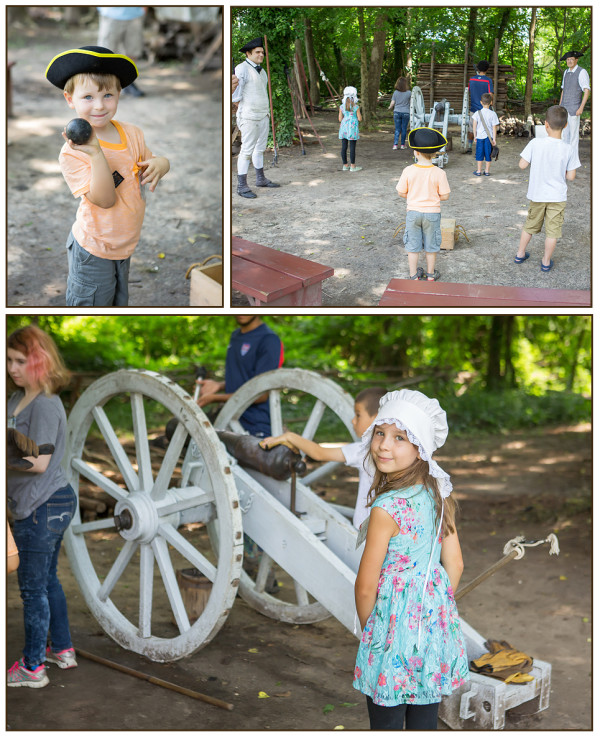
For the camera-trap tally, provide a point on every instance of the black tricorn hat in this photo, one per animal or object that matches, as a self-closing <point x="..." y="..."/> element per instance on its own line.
<point x="566" y="55"/>
<point x="426" y="140"/>
<point x="255" y="43"/>
<point x="90" y="60"/>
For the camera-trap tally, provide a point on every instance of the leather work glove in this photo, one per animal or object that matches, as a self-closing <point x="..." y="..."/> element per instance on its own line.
<point x="503" y="662"/>
<point x="19" y="446"/>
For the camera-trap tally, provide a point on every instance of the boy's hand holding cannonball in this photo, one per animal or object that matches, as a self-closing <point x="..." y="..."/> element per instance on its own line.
<point x="89" y="146"/>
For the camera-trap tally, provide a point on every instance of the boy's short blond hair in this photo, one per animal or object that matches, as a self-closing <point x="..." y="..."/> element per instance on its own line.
<point x="486" y="98"/>
<point x="104" y="81"/>
<point x="428" y="154"/>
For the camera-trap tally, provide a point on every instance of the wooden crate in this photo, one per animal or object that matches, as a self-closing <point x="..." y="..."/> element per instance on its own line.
<point x="206" y="287"/>
<point x="448" y="226"/>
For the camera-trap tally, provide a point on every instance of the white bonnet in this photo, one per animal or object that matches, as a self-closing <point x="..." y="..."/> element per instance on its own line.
<point x="350" y="92"/>
<point x="424" y="422"/>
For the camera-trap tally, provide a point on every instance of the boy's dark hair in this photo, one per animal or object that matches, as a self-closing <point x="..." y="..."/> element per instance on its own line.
<point x="486" y="98"/>
<point x="483" y="66"/>
<point x="370" y="398"/>
<point x="401" y="84"/>
<point x="556" y="117"/>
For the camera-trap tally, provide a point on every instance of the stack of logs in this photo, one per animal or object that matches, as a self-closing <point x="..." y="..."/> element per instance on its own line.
<point x="448" y="83"/>
<point x="511" y="125"/>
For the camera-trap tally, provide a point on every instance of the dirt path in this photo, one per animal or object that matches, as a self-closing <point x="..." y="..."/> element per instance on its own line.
<point x="181" y="116"/>
<point x="347" y="220"/>
<point x="529" y="484"/>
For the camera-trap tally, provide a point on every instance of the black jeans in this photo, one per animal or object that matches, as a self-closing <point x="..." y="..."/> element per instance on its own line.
<point x="403" y="716"/>
<point x="345" y="148"/>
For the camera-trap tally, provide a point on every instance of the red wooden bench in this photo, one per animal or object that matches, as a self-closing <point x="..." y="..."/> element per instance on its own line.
<point x="414" y="293"/>
<point x="269" y="277"/>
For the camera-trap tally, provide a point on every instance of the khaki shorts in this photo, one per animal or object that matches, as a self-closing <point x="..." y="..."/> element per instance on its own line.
<point x="552" y="213"/>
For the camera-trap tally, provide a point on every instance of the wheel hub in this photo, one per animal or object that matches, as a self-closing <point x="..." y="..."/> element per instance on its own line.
<point x="137" y="517"/>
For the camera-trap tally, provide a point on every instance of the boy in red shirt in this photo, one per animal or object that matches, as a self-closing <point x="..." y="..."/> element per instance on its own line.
<point x="424" y="186"/>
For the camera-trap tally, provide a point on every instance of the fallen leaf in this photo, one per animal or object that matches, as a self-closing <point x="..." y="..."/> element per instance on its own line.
<point x="263" y="695"/>
<point x="283" y="695"/>
<point x="191" y="240"/>
<point x="340" y="726"/>
<point x="328" y="708"/>
<point x="586" y="619"/>
<point x="253" y="650"/>
<point x="562" y="578"/>
<point x="347" y="703"/>
<point x="161" y="255"/>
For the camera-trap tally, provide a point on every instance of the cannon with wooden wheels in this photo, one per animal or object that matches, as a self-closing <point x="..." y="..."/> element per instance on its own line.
<point x="440" y="116"/>
<point x="193" y="506"/>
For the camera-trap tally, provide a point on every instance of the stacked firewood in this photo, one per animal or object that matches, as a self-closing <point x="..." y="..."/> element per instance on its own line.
<point x="448" y="82"/>
<point x="510" y="125"/>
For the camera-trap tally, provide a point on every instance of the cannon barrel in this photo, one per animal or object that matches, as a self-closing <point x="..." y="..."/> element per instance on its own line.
<point x="278" y="462"/>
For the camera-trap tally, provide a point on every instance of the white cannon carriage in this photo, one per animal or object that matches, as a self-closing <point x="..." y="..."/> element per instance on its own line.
<point x="440" y="116"/>
<point x="196" y="512"/>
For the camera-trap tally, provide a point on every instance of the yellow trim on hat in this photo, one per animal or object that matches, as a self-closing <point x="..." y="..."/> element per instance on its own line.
<point x="429" y="128"/>
<point x="91" y="53"/>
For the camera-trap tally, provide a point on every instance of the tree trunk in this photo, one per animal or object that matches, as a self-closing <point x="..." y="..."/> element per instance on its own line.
<point x="493" y="379"/>
<point x="313" y="72"/>
<point x="471" y="30"/>
<point x="376" y="63"/>
<point x="504" y="18"/>
<point x="529" y="81"/>
<point x="340" y="64"/>
<point x="509" y="369"/>
<point x="364" y="68"/>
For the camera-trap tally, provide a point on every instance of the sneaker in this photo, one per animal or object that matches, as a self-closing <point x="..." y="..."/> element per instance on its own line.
<point x="403" y="146"/>
<point x="64" y="659"/>
<point x="356" y="168"/>
<point x="19" y="675"/>
<point x="394" y="147"/>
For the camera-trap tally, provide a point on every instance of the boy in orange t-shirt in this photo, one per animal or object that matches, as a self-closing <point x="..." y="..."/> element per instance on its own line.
<point x="107" y="172"/>
<point x="423" y="185"/>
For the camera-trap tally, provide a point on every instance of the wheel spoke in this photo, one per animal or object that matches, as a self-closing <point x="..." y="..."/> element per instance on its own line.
<point x="301" y="594"/>
<point x="129" y="474"/>
<point x="97" y="524"/>
<point x="195" y="497"/>
<point x="236" y="426"/>
<point x="315" y="418"/>
<point x="324" y="470"/>
<point x="120" y="564"/>
<point x="169" y="462"/>
<point x="142" y="448"/>
<point x="146" y="586"/>
<point x="99" y="479"/>
<point x="275" y="410"/>
<point x="188" y="551"/>
<point x="264" y="568"/>
<point x="161" y="552"/>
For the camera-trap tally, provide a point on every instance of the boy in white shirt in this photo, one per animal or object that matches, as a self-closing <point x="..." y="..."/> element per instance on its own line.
<point x="553" y="162"/>
<point x="483" y="145"/>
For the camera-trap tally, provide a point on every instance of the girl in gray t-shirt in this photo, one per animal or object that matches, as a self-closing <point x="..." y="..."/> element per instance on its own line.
<point x="42" y="503"/>
<point x="400" y="103"/>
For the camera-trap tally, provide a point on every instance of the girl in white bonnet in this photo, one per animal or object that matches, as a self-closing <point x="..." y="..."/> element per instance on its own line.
<point x="349" y="117"/>
<point x="412" y="650"/>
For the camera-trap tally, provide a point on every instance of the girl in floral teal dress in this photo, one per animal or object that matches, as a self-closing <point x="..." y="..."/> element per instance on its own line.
<point x="412" y="650"/>
<point x="349" y="117"/>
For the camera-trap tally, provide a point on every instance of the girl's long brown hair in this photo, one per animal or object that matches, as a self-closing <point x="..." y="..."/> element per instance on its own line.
<point x="416" y="473"/>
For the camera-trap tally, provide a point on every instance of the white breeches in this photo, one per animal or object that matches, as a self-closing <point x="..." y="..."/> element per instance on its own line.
<point x="254" y="142"/>
<point x="570" y="134"/>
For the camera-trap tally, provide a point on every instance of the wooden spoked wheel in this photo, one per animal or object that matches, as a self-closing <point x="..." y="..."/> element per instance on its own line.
<point x="301" y="401"/>
<point x="126" y="564"/>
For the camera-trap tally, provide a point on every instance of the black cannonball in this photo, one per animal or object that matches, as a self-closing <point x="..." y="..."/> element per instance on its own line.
<point x="79" y="131"/>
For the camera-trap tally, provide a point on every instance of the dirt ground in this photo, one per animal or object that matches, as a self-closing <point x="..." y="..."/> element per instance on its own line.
<point x="529" y="484"/>
<point x="347" y="220"/>
<point x="181" y="116"/>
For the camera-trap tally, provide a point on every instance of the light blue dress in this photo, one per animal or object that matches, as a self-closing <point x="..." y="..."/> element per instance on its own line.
<point x="349" y="124"/>
<point x="412" y="649"/>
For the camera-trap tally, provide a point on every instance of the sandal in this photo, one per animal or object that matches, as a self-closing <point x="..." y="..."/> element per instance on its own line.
<point x="433" y="277"/>
<point x="419" y="274"/>
<point x="486" y="174"/>
<point x="547" y="268"/>
<point x="477" y="173"/>
<point x="521" y="259"/>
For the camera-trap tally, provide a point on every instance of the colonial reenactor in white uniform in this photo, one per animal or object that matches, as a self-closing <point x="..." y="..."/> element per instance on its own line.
<point x="575" y="92"/>
<point x="252" y="116"/>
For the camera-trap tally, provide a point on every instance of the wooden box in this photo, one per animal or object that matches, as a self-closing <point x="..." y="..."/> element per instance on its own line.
<point x="206" y="284"/>
<point x="448" y="226"/>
